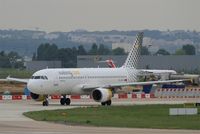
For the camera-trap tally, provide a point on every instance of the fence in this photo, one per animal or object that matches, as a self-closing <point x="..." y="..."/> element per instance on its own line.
<point x="177" y="93"/>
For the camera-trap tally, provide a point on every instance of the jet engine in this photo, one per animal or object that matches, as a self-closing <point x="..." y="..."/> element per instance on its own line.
<point x="102" y="94"/>
<point x="37" y="97"/>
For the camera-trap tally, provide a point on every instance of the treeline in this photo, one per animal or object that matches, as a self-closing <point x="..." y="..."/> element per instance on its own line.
<point x="185" y="50"/>
<point x="11" y="60"/>
<point x="68" y="56"/>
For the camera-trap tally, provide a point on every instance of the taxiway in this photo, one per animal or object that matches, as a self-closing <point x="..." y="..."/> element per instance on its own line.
<point x="12" y="120"/>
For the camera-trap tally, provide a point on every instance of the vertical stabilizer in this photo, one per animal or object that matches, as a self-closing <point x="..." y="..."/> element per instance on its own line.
<point x="131" y="62"/>
<point x="134" y="54"/>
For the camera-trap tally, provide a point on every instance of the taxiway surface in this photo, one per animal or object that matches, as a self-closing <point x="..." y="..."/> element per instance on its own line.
<point x="13" y="121"/>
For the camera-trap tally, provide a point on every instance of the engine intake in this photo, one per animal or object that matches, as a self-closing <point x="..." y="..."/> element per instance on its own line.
<point x="37" y="97"/>
<point x="102" y="94"/>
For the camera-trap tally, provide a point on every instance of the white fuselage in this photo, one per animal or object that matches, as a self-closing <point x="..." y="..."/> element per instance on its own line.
<point x="71" y="81"/>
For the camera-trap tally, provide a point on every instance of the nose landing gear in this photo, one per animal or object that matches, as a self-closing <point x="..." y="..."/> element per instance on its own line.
<point x="45" y="101"/>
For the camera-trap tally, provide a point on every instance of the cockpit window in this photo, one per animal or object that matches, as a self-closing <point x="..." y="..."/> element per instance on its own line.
<point x="39" y="77"/>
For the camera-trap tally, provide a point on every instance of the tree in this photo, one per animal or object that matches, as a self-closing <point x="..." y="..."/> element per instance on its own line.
<point x="4" y="60"/>
<point x="47" y="52"/>
<point x="81" y="50"/>
<point x="180" y="52"/>
<point x="2" y="53"/>
<point x="189" y="49"/>
<point x="34" y="57"/>
<point x="162" y="52"/>
<point x="94" y="49"/>
<point x="15" y="60"/>
<point x="41" y="51"/>
<point x="186" y="50"/>
<point x="74" y="56"/>
<point x="67" y="56"/>
<point x="51" y="52"/>
<point x="144" y="51"/>
<point x="118" y="51"/>
<point x="103" y="50"/>
<point x="13" y="56"/>
<point x="11" y="59"/>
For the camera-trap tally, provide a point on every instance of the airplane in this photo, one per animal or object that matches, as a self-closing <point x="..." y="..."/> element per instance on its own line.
<point x="100" y="83"/>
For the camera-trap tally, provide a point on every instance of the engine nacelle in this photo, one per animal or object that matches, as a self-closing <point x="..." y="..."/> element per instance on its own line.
<point x="102" y="94"/>
<point x="37" y="97"/>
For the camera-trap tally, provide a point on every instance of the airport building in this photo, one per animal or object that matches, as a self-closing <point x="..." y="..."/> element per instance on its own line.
<point x="175" y="62"/>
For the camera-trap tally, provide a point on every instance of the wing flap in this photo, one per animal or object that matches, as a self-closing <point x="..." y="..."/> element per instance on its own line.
<point x="147" y="83"/>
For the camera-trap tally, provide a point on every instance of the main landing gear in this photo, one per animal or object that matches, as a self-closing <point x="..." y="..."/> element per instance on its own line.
<point x="108" y="103"/>
<point x="64" y="100"/>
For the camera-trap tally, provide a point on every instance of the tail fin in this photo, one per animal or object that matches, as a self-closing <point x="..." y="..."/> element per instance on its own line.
<point x="134" y="54"/>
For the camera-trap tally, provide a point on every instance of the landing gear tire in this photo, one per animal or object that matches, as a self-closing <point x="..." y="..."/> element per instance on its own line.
<point x="45" y="103"/>
<point x="62" y="101"/>
<point x="67" y="101"/>
<point x="103" y="103"/>
<point x="108" y="103"/>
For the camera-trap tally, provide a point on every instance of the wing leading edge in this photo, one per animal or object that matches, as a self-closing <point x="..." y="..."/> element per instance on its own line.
<point x="17" y="79"/>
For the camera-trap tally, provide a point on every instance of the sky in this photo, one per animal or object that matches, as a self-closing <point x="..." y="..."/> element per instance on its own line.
<point x="100" y="15"/>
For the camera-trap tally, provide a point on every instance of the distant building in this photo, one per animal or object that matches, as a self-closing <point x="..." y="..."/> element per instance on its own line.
<point x="178" y="63"/>
<point x="38" y="65"/>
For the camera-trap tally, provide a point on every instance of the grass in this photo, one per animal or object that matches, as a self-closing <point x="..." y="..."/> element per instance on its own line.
<point x="139" y="116"/>
<point x="14" y="73"/>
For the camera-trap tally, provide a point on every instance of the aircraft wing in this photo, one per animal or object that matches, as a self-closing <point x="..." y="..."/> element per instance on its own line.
<point x="147" y="83"/>
<point x="17" y="79"/>
<point x="155" y="71"/>
<point x="85" y="87"/>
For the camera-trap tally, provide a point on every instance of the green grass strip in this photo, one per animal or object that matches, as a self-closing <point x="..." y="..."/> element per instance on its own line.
<point x="138" y="116"/>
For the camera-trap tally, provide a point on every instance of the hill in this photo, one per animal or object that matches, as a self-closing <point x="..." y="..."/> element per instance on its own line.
<point x="26" y="42"/>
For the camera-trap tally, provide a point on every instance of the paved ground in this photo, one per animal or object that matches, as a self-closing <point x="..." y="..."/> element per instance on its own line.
<point x="12" y="120"/>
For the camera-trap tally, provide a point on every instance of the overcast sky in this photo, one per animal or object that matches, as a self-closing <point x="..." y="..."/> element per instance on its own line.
<point x="67" y="15"/>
